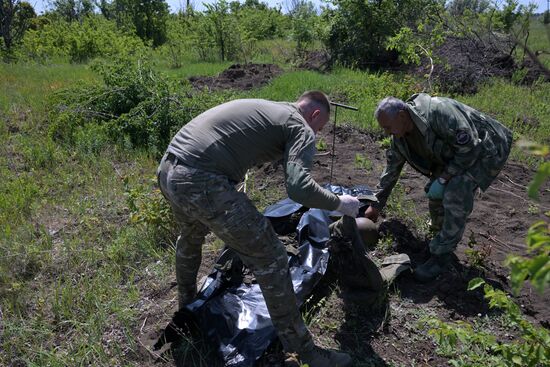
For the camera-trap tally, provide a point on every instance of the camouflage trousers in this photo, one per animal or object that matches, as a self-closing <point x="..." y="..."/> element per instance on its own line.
<point x="204" y="201"/>
<point x="450" y="214"/>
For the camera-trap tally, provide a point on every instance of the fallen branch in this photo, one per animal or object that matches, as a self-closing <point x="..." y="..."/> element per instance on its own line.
<point x="514" y="183"/>
<point x="155" y="355"/>
<point x="521" y="198"/>
<point x="496" y="240"/>
<point x="143" y="325"/>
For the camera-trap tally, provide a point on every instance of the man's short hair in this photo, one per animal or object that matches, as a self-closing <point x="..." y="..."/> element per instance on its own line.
<point x="316" y="99"/>
<point x="390" y="106"/>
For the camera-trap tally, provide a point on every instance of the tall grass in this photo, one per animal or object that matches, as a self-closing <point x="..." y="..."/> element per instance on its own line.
<point x="539" y="39"/>
<point x="526" y="110"/>
<point x="26" y="85"/>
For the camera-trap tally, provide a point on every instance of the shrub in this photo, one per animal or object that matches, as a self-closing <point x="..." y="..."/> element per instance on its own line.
<point x="137" y="107"/>
<point x="79" y="41"/>
<point x="359" y="29"/>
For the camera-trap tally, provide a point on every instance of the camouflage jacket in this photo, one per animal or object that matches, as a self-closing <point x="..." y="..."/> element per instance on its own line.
<point x="467" y="141"/>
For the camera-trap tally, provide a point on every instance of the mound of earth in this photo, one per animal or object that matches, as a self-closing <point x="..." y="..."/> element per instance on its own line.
<point x="238" y="76"/>
<point x="466" y="63"/>
<point x="318" y="60"/>
<point x="390" y="334"/>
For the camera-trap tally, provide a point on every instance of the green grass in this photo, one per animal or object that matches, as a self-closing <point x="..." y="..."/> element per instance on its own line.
<point x="539" y="39"/>
<point x="26" y="85"/>
<point x="526" y="110"/>
<point x="69" y="259"/>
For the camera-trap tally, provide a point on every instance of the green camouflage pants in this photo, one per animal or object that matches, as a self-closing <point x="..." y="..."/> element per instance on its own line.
<point x="450" y="214"/>
<point x="204" y="201"/>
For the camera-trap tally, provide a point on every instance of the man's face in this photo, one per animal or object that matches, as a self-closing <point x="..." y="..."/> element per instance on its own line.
<point x="396" y="125"/>
<point x="318" y="120"/>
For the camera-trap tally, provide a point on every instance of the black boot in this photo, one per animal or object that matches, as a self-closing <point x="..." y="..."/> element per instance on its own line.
<point x="431" y="269"/>
<point x="320" y="357"/>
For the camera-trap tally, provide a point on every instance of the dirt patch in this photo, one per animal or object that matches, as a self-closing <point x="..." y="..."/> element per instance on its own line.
<point x="317" y="60"/>
<point x="238" y="76"/>
<point x="464" y="64"/>
<point x="390" y="333"/>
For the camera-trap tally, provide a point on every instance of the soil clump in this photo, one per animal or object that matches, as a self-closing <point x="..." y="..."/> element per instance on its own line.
<point x="317" y="60"/>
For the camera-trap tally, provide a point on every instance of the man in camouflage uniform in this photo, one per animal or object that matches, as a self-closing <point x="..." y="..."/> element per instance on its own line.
<point x="457" y="147"/>
<point x="198" y="173"/>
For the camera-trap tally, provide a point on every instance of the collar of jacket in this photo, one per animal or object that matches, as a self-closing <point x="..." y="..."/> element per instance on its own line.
<point x="419" y="109"/>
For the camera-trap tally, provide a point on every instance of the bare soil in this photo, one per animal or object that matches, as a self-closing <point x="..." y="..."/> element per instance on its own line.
<point x="463" y="64"/>
<point x="238" y="76"/>
<point x="389" y="333"/>
<point x="317" y="60"/>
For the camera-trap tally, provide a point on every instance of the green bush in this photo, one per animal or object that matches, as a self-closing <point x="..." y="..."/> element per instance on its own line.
<point x="264" y="23"/>
<point x="78" y="41"/>
<point x="359" y="30"/>
<point x="304" y="26"/>
<point x="137" y="108"/>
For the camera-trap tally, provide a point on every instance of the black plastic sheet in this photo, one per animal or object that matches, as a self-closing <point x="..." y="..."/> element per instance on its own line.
<point x="234" y="317"/>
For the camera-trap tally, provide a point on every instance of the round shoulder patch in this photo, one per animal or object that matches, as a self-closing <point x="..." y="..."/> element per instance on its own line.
<point x="462" y="137"/>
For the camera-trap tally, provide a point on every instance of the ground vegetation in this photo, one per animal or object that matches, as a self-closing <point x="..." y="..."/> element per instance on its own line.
<point x="86" y="239"/>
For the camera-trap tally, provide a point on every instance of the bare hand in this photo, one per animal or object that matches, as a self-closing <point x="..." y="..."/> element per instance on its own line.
<point x="372" y="213"/>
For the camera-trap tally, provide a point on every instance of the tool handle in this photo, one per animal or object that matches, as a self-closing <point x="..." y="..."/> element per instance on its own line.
<point x="344" y="106"/>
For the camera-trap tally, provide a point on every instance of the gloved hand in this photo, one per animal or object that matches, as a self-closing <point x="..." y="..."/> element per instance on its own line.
<point x="349" y="205"/>
<point x="436" y="190"/>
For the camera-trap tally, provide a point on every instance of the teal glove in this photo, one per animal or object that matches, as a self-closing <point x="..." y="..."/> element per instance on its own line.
<point x="436" y="191"/>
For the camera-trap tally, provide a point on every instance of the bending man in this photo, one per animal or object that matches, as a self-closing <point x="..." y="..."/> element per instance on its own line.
<point x="198" y="173"/>
<point x="457" y="147"/>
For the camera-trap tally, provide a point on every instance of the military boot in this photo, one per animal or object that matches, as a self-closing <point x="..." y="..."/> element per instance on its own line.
<point x="432" y="268"/>
<point x="186" y="295"/>
<point x="319" y="357"/>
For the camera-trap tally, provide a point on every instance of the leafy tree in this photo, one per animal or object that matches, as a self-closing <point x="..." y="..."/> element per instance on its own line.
<point x="73" y="10"/>
<point x="15" y="19"/>
<point x="359" y="29"/>
<point x="459" y="7"/>
<point x="106" y="8"/>
<point x="148" y="18"/>
<point x="304" y="17"/>
<point x="223" y="28"/>
<point x="180" y="40"/>
<point x="202" y="38"/>
<point x="259" y="21"/>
